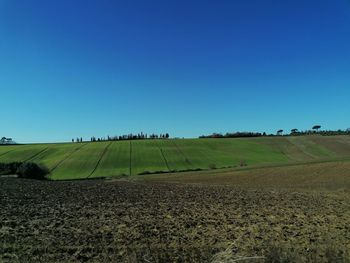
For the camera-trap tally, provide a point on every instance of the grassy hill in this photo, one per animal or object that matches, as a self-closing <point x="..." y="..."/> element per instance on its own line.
<point x="105" y="159"/>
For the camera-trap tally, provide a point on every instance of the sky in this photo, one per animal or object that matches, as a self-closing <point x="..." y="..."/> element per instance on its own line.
<point x="96" y="68"/>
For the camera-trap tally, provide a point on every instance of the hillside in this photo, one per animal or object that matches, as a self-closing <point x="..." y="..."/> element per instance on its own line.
<point x="105" y="159"/>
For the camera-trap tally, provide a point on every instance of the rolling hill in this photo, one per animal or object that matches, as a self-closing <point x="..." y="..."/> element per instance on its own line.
<point x="117" y="158"/>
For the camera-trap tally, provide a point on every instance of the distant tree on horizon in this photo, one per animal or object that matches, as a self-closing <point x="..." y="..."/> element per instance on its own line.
<point x="279" y="132"/>
<point x="316" y="127"/>
<point x="294" y="130"/>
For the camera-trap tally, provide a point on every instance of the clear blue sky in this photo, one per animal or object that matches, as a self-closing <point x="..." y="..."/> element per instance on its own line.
<point x="82" y="68"/>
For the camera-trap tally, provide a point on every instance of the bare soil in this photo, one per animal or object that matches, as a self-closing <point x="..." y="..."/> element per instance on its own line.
<point x="122" y="221"/>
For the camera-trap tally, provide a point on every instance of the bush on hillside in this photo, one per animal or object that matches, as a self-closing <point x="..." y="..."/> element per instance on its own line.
<point x="24" y="170"/>
<point x="32" y="170"/>
<point x="9" y="168"/>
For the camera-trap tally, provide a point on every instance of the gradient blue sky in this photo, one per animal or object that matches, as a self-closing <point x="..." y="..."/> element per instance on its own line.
<point x="82" y="68"/>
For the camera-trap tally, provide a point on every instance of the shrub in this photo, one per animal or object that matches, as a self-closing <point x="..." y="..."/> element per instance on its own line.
<point x="9" y="168"/>
<point x="32" y="170"/>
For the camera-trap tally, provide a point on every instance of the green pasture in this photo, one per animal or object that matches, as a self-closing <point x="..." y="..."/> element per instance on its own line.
<point x="107" y="159"/>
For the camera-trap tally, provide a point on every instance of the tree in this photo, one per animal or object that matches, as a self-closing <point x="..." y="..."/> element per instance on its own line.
<point x="316" y="127"/>
<point x="293" y="131"/>
<point x="279" y="132"/>
<point x="32" y="170"/>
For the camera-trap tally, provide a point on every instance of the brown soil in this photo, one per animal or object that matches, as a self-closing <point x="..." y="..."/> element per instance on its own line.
<point x="103" y="221"/>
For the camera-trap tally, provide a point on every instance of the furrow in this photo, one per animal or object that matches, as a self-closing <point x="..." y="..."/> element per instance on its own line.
<point x="65" y="158"/>
<point x="182" y="153"/>
<point x="35" y="155"/>
<point x="130" y="148"/>
<point x="6" y="153"/>
<point x="162" y="153"/>
<point x="99" y="160"/>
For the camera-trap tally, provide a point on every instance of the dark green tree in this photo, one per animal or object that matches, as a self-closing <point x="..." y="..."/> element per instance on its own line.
<point x="316" y="127"/>
<point x="293" y="131"/>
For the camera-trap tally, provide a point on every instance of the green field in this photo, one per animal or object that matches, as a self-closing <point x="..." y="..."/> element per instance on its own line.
<point x="121" y="158"/>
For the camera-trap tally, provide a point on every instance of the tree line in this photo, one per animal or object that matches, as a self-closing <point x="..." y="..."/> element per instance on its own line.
<point x="316" y="129"/>
<point x="131" y="136"/>
<point x="234" y="135"/>
<point x="5" y="140"/>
